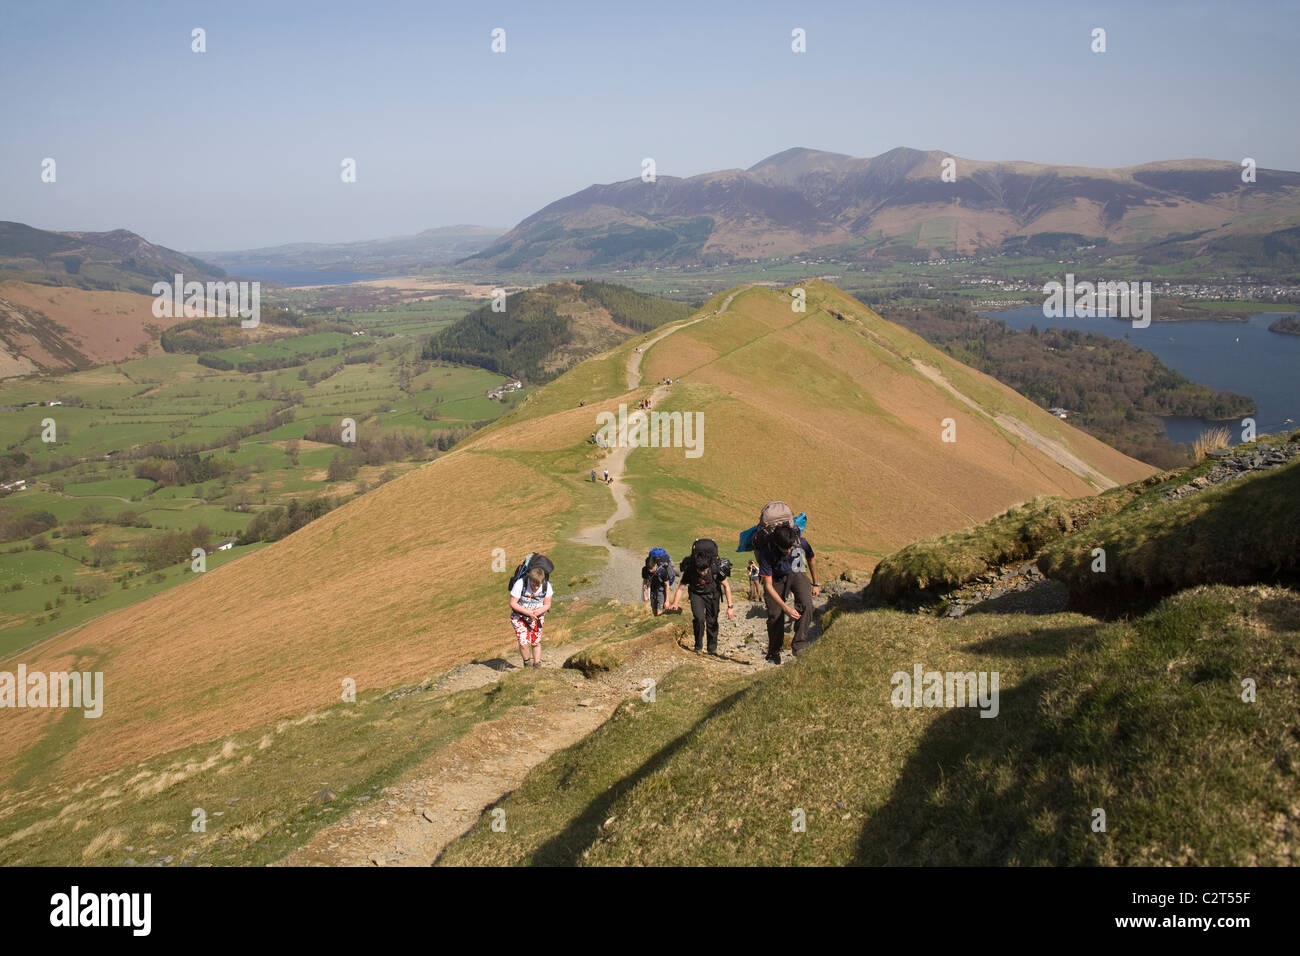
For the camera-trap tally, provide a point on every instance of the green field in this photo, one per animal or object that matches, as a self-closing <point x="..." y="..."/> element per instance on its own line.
<point x="115" y="417"/>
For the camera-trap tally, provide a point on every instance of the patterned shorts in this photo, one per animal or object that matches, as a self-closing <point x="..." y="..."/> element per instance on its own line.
<point x="529" y="635"/>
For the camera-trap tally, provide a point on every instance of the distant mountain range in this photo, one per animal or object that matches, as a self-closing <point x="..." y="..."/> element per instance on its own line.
<point x="899" y="206"/>
<point x="117" y="261"/>
<point x="399" y="254"/>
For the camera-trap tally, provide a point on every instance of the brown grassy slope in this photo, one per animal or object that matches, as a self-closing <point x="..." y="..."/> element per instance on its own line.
<point x="394" y="586"/>
<point x="860" y="446"/>
<point x="397" y="585"/>
<point x="101" y="326"/>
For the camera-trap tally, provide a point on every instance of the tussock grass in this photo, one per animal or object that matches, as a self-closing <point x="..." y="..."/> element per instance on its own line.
<point x="1209" y="440"/>
<point x="949" y="561"/>
<point x="1240" y="532"/>
<point x="1143" y="719"/>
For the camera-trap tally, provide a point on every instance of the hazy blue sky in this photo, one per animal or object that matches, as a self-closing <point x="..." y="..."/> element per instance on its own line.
<point x="241" y="146"/>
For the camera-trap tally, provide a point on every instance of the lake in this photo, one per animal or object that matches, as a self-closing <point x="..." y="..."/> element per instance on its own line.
<point x="301" y="277"/>
<point x="1242" y="357"/>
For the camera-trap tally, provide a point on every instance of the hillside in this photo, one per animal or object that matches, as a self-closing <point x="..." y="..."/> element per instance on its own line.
<point x="896" y="206"/>
<point x="57" y="328"/>
<point x="1175" y="721"/>
<point x="117" y="260"/>
<point x="545" y="330"/>
<point x="385" y="590"/>
<point x="1114" y="390"/>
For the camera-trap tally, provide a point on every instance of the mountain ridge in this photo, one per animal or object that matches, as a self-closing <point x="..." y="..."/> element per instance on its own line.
<point x="894" y="205"/>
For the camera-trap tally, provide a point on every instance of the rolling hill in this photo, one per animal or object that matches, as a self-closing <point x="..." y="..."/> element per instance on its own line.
<point x="116" y="261"/>
<point x="545" y="330"/>
<point x="897" y="206"/>
<point x="834" y="409"/>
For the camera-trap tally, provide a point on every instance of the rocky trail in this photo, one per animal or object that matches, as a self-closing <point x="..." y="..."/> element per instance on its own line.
<point x="412" y="821"/>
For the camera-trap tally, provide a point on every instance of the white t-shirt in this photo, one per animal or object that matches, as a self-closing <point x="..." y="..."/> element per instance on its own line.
<point x="528" y="600"/>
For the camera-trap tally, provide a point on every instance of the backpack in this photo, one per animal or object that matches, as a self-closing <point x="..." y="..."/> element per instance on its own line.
<point x="704" y="559"/>
<point x="774" y="514"/>
<point x="530" y="561"/>
<point x="660" y="553"/>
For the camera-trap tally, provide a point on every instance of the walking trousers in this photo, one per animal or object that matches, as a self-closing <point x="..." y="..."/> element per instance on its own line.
<point x="801" y="585"/>
<point x="704" y="617"/>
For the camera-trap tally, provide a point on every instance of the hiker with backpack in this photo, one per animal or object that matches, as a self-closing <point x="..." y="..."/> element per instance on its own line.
<point x="786" y="565"/>
<point x="657" y="576"/>
<point x="752" y="571"/>
<point x="530" y="599"/>
<point x="704" y="578"/>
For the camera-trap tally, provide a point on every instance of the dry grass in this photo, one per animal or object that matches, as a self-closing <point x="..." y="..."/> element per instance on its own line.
<point x="1142" y="718"/>
<point x="397" y="585"/>
<point x="1210" y="440"/>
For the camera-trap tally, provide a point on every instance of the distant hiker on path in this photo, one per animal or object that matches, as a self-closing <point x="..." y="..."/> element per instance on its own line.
<point x="786" y="564"/>
<point x="752" y="571"/>
<point x="701" y="574"/>
<point x="593" y="474"/>
<point x="608" y="480"/>
<point x="657" y="576"/>
<point x="530" y="599"/>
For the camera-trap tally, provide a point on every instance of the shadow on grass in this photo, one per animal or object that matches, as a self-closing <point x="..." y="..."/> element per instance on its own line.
<point x="1046" y="597"/>
<point x="566" y="847"/>
<point x="1046" y="642"/>
<point x="940" y="814"/>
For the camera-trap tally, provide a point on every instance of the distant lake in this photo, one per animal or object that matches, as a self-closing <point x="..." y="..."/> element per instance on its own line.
<point x="1241" y="357"/>
<point x="301" y="277"/>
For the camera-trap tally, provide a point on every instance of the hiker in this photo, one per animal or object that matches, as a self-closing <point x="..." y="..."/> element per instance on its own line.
<point x="608" y="480"/>
<point x="786" y="564"/>
<point x="752" y="571"/>
<point x="657" y="576"/>
<point x="593" y="474"/>
<point x="530" y="599"/>
<point x="702" y="576"/>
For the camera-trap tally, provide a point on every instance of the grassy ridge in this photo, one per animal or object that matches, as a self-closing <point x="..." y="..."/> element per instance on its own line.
<point x="1240" y="532"/>
<point x="951" y="560"/>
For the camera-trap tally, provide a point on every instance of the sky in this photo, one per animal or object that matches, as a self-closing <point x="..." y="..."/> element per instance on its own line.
<point x="242" y="146"/>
